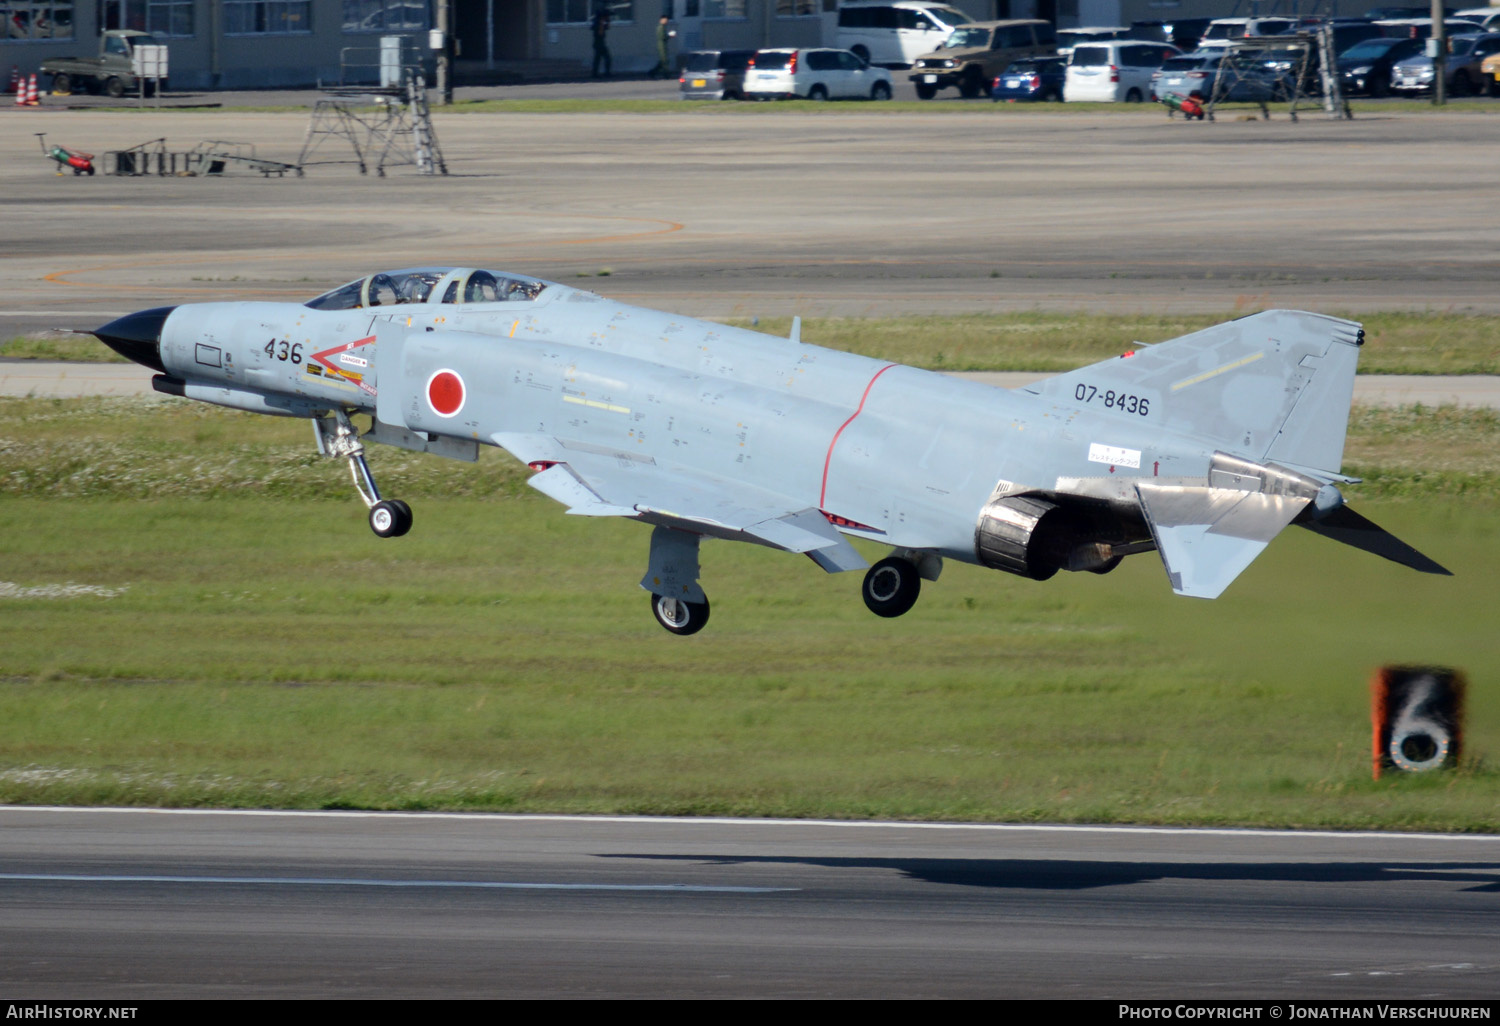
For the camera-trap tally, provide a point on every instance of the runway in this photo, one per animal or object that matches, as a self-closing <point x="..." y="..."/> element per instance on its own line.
<point x="141" y="904"/>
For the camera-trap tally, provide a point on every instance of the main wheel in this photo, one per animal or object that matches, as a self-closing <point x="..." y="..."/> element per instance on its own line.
<point x="972" y="84"/>
<point x="880" y="91"/>
<point x="62" y="84"/>
<point x="891" y="587"/>
<point x="678" y="616"/>
<point x="114" y="87"/>
<point x="390" y="518"/>
<point x="818" y="93"/>
<point x="1460" y="85"/>
<point x="926" y="92"/>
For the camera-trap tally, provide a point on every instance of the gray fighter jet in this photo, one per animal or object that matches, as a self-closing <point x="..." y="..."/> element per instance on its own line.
<point x="1200" y="449"/>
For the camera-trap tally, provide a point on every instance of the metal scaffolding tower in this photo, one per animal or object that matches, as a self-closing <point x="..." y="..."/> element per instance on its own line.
<point x="386" y="126"/>
<point x="1310" y="65"/>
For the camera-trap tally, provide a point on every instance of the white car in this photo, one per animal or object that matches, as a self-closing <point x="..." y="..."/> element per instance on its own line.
<point x="1223" y="31"/>
<point x="896" y="32"/>
<point x="814" y="74"/>
<point x="1489" y="17"/>
<point x="1115" y="71"/>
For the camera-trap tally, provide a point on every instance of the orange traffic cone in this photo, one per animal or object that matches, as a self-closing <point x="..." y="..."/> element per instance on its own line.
<point x="31" y="100"/>
<point x="20" y="93"/>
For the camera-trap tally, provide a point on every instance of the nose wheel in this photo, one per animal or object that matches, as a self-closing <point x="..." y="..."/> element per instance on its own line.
<point x="389" y="518"/>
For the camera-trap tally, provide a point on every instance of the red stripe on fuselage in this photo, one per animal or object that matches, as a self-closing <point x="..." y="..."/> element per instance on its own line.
<point x="828" y="458"/>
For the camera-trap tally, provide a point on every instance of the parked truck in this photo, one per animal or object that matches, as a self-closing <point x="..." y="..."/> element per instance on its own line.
<point x="111" y="73"/>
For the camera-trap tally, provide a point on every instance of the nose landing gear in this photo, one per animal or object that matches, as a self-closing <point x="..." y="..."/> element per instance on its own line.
<point x="337" y="437"/>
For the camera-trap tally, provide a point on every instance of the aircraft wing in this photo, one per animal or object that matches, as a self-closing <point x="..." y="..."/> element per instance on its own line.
<point x="599" y="482"/>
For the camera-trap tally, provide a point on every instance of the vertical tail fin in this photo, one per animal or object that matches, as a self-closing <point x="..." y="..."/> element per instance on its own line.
<point x="1275" y="386"/>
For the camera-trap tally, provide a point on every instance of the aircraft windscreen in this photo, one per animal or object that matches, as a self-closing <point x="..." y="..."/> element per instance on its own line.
<point x="394" y="288"/>
<point x="387" y="288"/>
<point x="489" y="287"/>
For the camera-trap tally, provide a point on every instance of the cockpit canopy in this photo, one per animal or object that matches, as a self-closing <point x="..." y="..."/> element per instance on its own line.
<point x="429" y="285"/>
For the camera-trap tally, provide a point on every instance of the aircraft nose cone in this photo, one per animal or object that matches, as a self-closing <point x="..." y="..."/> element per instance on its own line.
<point x="137" y="336"/>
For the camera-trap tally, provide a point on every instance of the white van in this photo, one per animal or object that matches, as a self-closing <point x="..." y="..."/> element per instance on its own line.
<point x="896" y="32"/>
<point x="1114" y="71"/>
<point x="1223" y="31"/>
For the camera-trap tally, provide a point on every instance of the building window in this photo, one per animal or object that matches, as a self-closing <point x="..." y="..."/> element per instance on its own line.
<point x="35" y="20"/>
<point x="387" y="16"/>
<point x="796" y="8"/>
<point x="165" y="18"/>
<point x="170" y="17"/>
<point x="724" y="9"/>
<point x="581" y="12"/>
<point x="266" y="17"/>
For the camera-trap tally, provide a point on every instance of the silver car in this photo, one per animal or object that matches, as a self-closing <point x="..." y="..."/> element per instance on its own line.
<point x="1198" y="73"/>
<point x="714" y="74"/>
<point x="1465" y="54"/>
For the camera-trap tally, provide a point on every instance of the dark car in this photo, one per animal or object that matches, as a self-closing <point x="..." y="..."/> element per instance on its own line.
<point x="714" y="74"/>
<point x="1035" y="78"/>
<point x="1285" y="64"/>
<point x="1365" y="68"/>
<point x="1182" y="33"/>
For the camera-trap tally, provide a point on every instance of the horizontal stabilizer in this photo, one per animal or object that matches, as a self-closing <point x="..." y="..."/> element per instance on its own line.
<point x="1345" y="525"/>
<point x="1208" y="536"/>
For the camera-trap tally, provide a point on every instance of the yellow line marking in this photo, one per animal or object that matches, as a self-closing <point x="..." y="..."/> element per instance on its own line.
<point x="596" y="404"/>
<point x="1215" y="373"/>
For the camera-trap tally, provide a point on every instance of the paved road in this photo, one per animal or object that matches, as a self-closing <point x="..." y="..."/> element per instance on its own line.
<point x="140" y="904"/>
<point x="66" y="380"/>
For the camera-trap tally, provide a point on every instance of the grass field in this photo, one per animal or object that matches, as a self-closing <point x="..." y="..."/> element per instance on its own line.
<point x="193" y="612"/>
<point x="1431" y="342"/>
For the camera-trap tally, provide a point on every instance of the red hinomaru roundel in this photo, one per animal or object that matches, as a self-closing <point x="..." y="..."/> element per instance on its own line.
<point x="445" y="393"/>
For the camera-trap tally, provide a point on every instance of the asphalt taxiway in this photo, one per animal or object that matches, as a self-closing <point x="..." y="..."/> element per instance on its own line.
<point x="847" y="209"/>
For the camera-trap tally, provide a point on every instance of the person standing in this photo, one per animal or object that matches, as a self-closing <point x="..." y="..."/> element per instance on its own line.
<point x="601" y="43"/>
<point x="664" y="33"/>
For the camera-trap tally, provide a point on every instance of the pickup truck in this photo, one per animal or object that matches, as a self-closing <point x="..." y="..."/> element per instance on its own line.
<point x="110" y="73"/>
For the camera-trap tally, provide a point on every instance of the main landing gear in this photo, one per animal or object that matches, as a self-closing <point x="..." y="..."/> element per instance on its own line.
<point x="389" y="518"/>
<point x="891" y="586"/>
<point x="678" y="615"/>
<point x="677" y="602"/>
